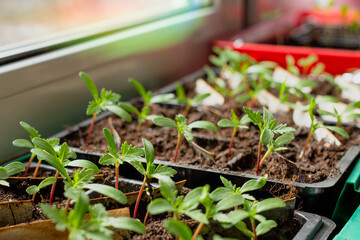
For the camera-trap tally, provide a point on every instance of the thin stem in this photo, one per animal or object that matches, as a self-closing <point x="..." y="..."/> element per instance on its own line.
<point x="53" y="187"/>
<point x="28" y="165"/>
<point x="177" y="146"/>
<point x="253" y="228"/>
<point x="266" y="155"/>
<point x="258" y="161"/>
<point x="187" y="109"/>
<point x="138" y="130"/>
<point x="204" y="151"/>
<point x="90" y="129"/>
<point x="33" y="197"/>
<point x="307" y="142"/>
<point x="232" y="140"/>
<point x="146" y="217"/>
<point x="139" y="197"/>
<point x="67" y="204"/>
<point x="37" y="168"/>
<point x="117" y="177"/>
<point x="198" y="229"/>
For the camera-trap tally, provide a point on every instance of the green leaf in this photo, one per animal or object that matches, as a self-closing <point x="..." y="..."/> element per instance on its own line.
<point x="162" y="98"/>
<point x="220" y="193"/>
<point x="119" y="112"/>
<point x="14" y="168"/>
<point x="168" y="189"/>
<point x="164" y="122"/>
<point x="217" y="237"/>
<point x="338" y="130"/>
<point x="107" y="159"/>
<point x="265" y="227"/>
<point x="57" y="216"/>
<point x="196" y="215"/>
<point x="255" y="117"/>
<point x="138" y="166"/>
<point x="65" y="153"/>
<point x="283" y="128"/>
<point x="311" y="109"/>
<point x="270" y="203"/>
<point x="325" y="113"/>
<point x="225" y="123"/>
<point x="266" y="136"/>
<point x="110" y="140"/>
<point x="90" y="85"/>
<point x="243" y="228"/>
<point x="188" y="136"/>
<point x="81" y="163"/>
<point x="131" y="153"/>
<point x="161" y="171"/>
<point x="128" y="224"/>
<point x="232" y="217"/>
<point x="327" y="98"/>
<point x="43" y="144"/>
<point x="284" y="139"/>
<point x="108" y="191"/>
<point x="139" y="88"/>
<point x="353" y="116"/>
<point x="253" y="184"/>
<point x="129" y="108"/>
<point x="32" y="190"/>
<point x="352" y="106"/>
<point x="160" y="205"/>
<point x="180" y="93"/>
<point x="178" y="228"/>
<point x="204" y="125"/>
<point x="229" y="202"/>
<point x="191" y="200"/>
<point x="149" y="151"/>
<point x="93" y="108"/>
<point x="200" y="97"/>
<point x="4" y="183"/>
<point x="46" y="182"/>
<point x="267" y="115"/>
<point x="22" y="143"/>
<point x="3" y="173"/>
<point x="31" y="131"/>
<point x="76" y="216"/>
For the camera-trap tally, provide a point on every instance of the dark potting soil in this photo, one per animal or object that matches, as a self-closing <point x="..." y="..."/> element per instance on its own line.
<point x="319" y="162"/>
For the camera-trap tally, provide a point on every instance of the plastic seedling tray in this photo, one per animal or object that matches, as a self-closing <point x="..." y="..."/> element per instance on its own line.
<point x="351" y="230"/>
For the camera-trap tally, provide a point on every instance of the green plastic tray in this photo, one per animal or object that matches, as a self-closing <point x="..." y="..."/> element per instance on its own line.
<point x="351" y="229"/>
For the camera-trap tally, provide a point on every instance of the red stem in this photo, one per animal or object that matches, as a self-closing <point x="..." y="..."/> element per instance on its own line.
<point x="139" y="197"/>
<point x="258" y="161"/>
<point x="117" y="177"/>
<point x="28" y="165"/>
<point x="306" y="144"/>
<point x="177" y="147"/>
<point x="254" y="229"/>
<point x="67" y="204"/>
<point x="232" y="140"/>
<point x="53" y="187"/>
<point x="90" y="129"/>
<point x="198" y="229"/>
<point x="37" y="169"/>
<point x="187" y="109"/>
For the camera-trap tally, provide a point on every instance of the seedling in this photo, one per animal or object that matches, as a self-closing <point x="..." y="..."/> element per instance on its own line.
<point x="183" y="128"/>
<point x="128" y="153"/>
<point x="151" y="171"/>
<point x="148" y="99"/>
<point x="89" y="222"/>
<point x="268" y="128"/>
<point x="290" y="65"/>
<point x="189" y="102"/>
<point x="306" y="63"/>
<point x="33" y="190"/>
<point x="9" y="170"/>
<point x="106" y="102"/>
<point x="180" y="230"/>
<point x="234" y="123"/>
<point x="316" y="125"/>
<point x="28" y="144"/>
<point x="347" y="113"/>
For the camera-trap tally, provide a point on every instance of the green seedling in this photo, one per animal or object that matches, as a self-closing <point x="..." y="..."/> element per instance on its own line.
<point x="268" y="128"/>
<point x="316" y="125"/>
<point x="290" y="65"/>
<point x="89" y="222"/>
<point x="347" y="113"/>
<point x="107" y="101"/>
<point x="33" y="190"/>
<point x="28" y="144"/>
<point x="283" y="94"/>
<point x="9" y="170"/>
<point x="189" y="102"/>
<point x="184" y="129"/>
<point x="234" y="123"/>
<point x="151" y="171"/>
<point x="180" y="230"/>
<point x="148" y="99"/>
<point x="172" y="202"/>
<point x="128" y="153"/>
<point x="306" y="63"/>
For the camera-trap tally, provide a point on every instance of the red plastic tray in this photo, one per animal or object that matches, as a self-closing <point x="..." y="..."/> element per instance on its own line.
<point x="336" y="61"/>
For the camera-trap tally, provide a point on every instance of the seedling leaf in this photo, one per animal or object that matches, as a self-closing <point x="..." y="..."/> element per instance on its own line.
<point x="338" y="130"/>
<point x="107" y="191"/>
<point x="119" y="112"/>
<point x="90" y="85"/>
<point x="22" y="143"/>
<point x="203" y="124"/>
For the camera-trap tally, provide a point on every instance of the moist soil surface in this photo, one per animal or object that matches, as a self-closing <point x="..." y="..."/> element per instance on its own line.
<point x="318" y="163"/>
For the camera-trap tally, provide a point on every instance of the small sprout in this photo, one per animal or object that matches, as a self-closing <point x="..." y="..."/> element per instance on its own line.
<point x="290" y="65"/>
<point x="183" y="128"/>
<point x="347" y="113"/>
<point x="33" y="190"/>
<point x="306" y="63"/>
<point x="268" y="128"/>
<point x="107" y="101"/>
<point x="89" y="222"/>
<point x="9" y="170"/>
<point x="151" y="171"/>
<point x="33" y="133"/>
<point x="283" y="95"/>
<point x="148" y="99"/>
<point x="189" y="102"/>
<point x="316" y="125"/>
<point x="128" y="153"/>
<point x="234" y="123"/>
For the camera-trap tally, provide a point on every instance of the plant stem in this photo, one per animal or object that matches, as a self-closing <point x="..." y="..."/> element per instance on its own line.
<point x="266" y="155"/>
<point x="146" y="217"/>
<point x="67" y="204"/>
<point x="177" y="146"/>
<point x="253" y="228"/>
<point x="187" y="109"/>
<point x="53" y="187"/>
<point x="232" y="140"/>
<point x="90" y="129"/>
<point x="204" y="151"/>
<point x="37" y="168"/>
<point x="198" y="229"/>
<point x="138" y="130"/>
<point x="307" y="142"/>
<point x="258" y="161"/>
<point x="139" y="197"/>
<point x="117" y="177"/>
<point x="28" y="165"/>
